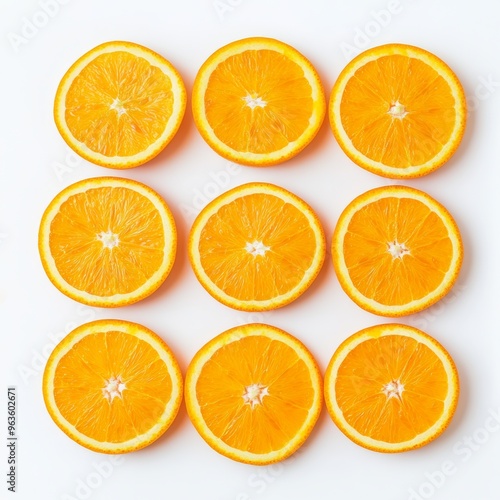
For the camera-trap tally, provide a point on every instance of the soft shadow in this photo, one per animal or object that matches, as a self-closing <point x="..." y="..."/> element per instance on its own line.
<point x="179" y="143"/>
<point x="180" y="422"/>
<point x="181" y="263"/>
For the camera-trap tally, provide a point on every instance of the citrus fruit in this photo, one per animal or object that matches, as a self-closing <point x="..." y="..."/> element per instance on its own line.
<point x="256" y="247"/>
<point x="119" y="104"/>
<point x="391" y="388"/>
<point x="107" y="241"/>
<point x="112" y="386"/>
<point x="396" y="250"/>
<point x="258" y="101"/>
<point x="254" y="393"/>
<point x="398" y="111"/>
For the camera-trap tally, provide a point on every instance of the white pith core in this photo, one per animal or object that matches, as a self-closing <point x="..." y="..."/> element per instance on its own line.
<point x="256" y="248"/>
<point x="393" y="389"/>
<point x="113" y="388"/>
<point x="397" y="110"/>
<point x="253" y="102"/>
<point x="108" y="239"/>
<point x="118" y="106"/>
<point x="254" y="394"/>
<point x="397" y="250"/>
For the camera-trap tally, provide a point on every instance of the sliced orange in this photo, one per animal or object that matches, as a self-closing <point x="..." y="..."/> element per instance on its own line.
<point x="396" y="250"/>
<point x="107" y="241"/>
<point x="398" y="111"/>
<point x="391" y="388"/>
<point x="258" y="101"/>
<point x="256" y="247"/>
<point x="254" y="393"/>
<point x="112" y="386"/>
<point x="119" y="104"/>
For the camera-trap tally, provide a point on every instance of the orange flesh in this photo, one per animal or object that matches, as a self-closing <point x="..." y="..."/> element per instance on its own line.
<point x="399" y="142"/>
<point x="81" y="257"/>
<point x="379" y="361"/>
<point x="82" y="373"/>
<point x="277" y="81"/>
<point x="263" y="218"/>
<point x="372" y="268"/>
<point x="255" y="360"/>
<point x="119" y="104"/>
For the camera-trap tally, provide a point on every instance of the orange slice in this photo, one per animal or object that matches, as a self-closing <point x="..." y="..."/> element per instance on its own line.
<point x="391" y="388"/>
<point x="258" y="101"/>
<point x="398" y="111"/>
<point x="119" y="104"/>
<point x="107" y="241"/>
<point x="112" y="386"/>
<point x="396" y="250"/>
<point x="254" y="393"/>
<point x="256" y="247"/>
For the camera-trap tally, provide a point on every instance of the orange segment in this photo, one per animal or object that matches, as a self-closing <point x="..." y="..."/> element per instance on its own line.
<point x="398" y="111"/>
<point x="119" y="104"/>
<point x="107" y="241"/>
<point x="112" y="386"/>
<point x="253" y="393"/>
<point x="258" y="101"/>
<point x="256" y="247"/>
<point x="391" y="388"/>
<point x="396" y="250"/>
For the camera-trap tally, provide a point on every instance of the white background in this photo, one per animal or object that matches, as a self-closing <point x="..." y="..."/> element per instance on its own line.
<point x="36" y="48"/>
